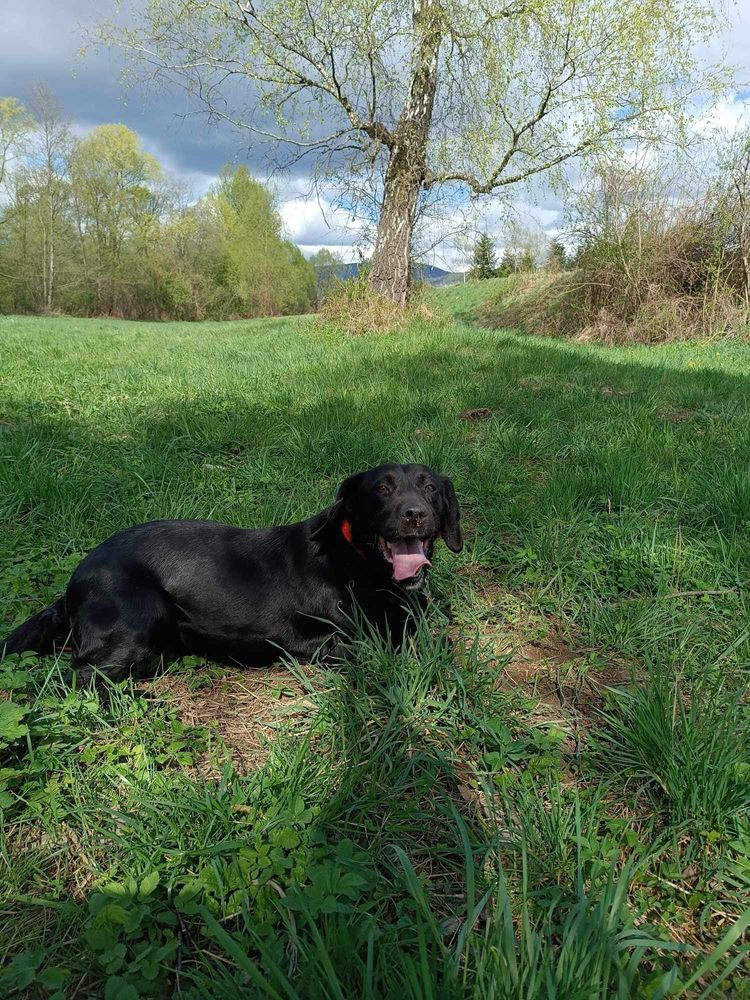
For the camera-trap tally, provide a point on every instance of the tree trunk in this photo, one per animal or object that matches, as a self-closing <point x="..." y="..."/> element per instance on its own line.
<point x="44" y="267"/>
<point x="43" y="227"/>
<point x="51" y="282"/>
<point x="389" y="274"/>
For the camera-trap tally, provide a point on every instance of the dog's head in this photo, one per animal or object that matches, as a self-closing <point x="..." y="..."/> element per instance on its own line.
<point x="393" y="515"/>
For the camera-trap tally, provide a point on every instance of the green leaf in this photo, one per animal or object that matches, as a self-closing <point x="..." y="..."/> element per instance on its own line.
<point x="14" y="679"/>
<point x="115" y="889"/>
<point x="148" y="885"/>
<point x="286" y="838"/>
<point x="118" y="988"/>
<point x="53" y="978"/>
<point x="11" y="727"/>
<point x="190" y="890"/>
<point x="22" y="969"/>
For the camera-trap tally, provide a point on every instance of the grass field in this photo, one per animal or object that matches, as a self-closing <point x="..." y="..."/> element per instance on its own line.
<point x="546" y="796"/>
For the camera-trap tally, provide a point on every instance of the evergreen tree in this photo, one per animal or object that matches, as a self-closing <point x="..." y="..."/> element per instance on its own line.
<point x="526" y="262"/>
<point x="557" y="256"/>
<point x="508" y="264"/>
<point x="484" y="262"/>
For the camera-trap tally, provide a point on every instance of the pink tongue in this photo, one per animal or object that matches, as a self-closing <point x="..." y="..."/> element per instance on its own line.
<point x="408" y="558"/>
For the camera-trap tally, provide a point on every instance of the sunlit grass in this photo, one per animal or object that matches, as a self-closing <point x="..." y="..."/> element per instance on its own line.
<point x="420" y="827"/>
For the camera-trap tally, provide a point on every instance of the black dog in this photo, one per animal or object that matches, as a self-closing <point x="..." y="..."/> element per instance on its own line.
<point x="175" y="588"/>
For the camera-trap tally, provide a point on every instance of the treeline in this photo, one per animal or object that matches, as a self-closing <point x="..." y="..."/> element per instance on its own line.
<point x="94" y="226"/>
<point x="485" y="263"/>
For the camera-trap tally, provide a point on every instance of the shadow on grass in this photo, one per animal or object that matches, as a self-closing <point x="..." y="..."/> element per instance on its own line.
<point x="596" y="476"/>
<point x="594" y="481"/>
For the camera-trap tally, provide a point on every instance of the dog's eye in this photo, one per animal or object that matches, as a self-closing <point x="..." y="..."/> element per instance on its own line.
<point x="429" y="487"/>
<point x="383" y="490"/>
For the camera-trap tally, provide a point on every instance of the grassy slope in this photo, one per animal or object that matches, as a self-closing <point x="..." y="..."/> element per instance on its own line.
<point x="606" y="487"/>
<point x="556" y="304"/>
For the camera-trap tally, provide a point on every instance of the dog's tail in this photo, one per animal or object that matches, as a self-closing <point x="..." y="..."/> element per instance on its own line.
<point x="40" y="633"/>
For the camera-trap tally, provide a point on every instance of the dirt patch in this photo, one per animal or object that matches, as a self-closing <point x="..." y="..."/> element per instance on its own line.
<point x="476" y="413"/>
<point x="558" y="676"/>
<point x="244" y="708"/>
<point x="677" y="416"/>
<point x="478" y="573"/>
<point x="537" y="656"/>
<point x="611" y="390"/>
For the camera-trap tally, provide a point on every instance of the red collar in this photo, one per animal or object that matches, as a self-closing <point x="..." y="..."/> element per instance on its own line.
<point x="346" y="531"/>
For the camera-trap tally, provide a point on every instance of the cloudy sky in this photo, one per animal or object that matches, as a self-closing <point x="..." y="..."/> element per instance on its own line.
<point x="41" y="41"/>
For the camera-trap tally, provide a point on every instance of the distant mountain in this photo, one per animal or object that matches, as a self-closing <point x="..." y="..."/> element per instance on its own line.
<point x="432" y="275"/>
<point x="427" y="273"/>
<point x="341" y="272"/>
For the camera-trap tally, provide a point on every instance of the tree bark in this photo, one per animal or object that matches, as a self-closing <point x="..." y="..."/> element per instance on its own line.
<point x="51" y="282"/>
<point x="390" y="272"/>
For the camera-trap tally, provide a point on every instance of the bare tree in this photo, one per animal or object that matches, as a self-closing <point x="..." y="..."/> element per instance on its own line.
<point x="476" y="94"/>
<point x="52" y="145"/>
<point x="15" y="126"/>
<point x="736" y="199"/>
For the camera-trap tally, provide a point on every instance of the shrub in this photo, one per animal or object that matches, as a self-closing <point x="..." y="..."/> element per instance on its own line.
<point x="655" y="262"/>
<point x="352" y="306"/>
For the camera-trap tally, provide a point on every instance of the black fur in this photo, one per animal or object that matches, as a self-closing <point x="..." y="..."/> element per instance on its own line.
<point x="176" y="588"/>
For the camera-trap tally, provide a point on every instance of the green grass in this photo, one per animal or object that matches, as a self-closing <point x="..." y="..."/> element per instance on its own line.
<point x="422" y="827"/>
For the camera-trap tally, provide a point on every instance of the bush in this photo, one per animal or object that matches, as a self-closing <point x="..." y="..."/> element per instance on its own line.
<point x="352" y="306"/>
<point x="655" y="261"/>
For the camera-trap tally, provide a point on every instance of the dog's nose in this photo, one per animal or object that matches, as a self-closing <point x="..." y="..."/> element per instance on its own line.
<point x="414" y="513"/>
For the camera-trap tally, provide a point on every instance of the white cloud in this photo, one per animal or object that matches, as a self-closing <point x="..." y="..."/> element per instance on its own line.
<point x="728" y="115"/>
<point x="40" y="41"/>
<point x="347" y="255"/>
<point x="312" y="222"/>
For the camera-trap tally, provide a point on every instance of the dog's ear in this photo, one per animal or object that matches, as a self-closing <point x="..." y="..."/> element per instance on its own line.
<point x="450" y="527"/>
<point x="341" y="506"/>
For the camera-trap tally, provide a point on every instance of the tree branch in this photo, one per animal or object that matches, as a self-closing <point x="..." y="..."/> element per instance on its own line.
<point x="496" y="180"/>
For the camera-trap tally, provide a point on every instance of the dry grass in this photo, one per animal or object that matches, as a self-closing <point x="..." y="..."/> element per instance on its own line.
<point x="540" y="659"/>
<point x="354" y="307"/>
<point x="593" y="307"/>
<point x="243" y="707"/>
